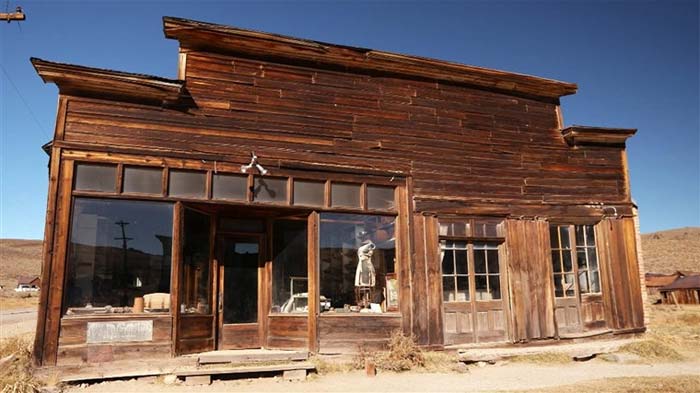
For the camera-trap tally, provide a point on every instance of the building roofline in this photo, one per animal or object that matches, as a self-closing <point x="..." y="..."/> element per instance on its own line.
<point x="209" y="36"/>
<point x="577" y="135"/>
<point x="74" y="79"/>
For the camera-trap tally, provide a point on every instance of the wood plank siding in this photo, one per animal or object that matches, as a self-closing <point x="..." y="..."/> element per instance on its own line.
<point x="457" y="144"/>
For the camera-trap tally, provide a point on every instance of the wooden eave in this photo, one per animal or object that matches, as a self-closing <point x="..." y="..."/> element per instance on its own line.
<point x="109" y="84"/>
<point x="208" y="36"/>
<point x="584" y="135"/>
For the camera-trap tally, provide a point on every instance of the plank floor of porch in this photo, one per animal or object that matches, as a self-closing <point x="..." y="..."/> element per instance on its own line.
<point x="222" y="362"/>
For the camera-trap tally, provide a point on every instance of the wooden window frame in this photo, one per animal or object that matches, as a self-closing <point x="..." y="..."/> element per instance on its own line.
<point x="589" y="272"/>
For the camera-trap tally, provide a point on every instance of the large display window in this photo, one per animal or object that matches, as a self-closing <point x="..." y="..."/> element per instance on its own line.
<point x="119" y="257"/>
<point x="357" y="255"/>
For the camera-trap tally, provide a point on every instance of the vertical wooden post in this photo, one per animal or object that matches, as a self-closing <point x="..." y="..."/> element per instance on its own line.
<point x="58" y="264"/>
<point x="175" y="263"/>
<point x="313" y="283"/>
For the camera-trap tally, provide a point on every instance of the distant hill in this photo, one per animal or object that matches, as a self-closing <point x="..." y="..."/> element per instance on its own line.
<point x="18" y="258"/>
<point x="671" y="250"/>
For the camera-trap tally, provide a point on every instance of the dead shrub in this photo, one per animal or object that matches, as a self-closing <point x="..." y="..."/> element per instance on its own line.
<point x="543" y="358"/>
<point x="402" y="354"/>
<point x="15" y="375"/>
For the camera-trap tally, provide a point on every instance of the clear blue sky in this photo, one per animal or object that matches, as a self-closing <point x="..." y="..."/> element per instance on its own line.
<point x="636" y="64"/>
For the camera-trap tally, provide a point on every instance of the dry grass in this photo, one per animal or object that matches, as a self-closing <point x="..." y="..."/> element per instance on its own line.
<point x="15" y="375"/>
<point x="327" y="366"/>
<point x="676" y="384"/>
<point x="543" y="358"/>
<point x="675" y="249"/>
<point x="674" y="334"/>
<point x="15" y="302"/>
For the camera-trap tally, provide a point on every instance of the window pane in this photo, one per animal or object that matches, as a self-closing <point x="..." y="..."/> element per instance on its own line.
<point x="461" y="261"/>
<point x="590" y="235"/>
<point x="556" y="261"/>
<point x="479" y="261"/>
<point x="558" y="285"/>
<point x="462" y="288"/>
<point x="569" y="284"/>
<point x="492" y="256"/>
<point x="90" y="177"/>
<point x="119" y="250"/>
<point x="345" y="195"/>
<point x="592" y="258"/>
<point x="566" y="255"/>
<point x="240" y="267"/>
<point x="583" y="282"/>
<point x="454" y="228"/>
<point x="380" y="197"/>
<point x="448" y="289"/>
<point x="354" y="252"/>
<point x="289" y="267"/>
<point x="564" y="234"/>
<point x="233" y="187"/>
<point x="143" y="180"/>
<point x="595" y="281"/>
<point x="309" y="193"/>
<point x="447" y="261"/>
<point x="554" y="236"/>
<point x="580" y="238"/>
<point x="195" y="293"/>
<point x="495" y="287"/>
<point x="482" y="292"/>
<point x="270" y="189"/>
<point x="486" y="229"/>
<point x="187" y="184"/>
<point x="581" y="258"/>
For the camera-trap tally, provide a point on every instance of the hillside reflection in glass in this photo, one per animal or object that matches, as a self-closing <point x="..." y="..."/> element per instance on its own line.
<point x="119" y="250"/>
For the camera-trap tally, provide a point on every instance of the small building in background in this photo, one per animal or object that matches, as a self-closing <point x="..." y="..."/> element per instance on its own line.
<point x="28" y="283"/>
<point x="655" y="281"/>
<point x="684" y="290"/>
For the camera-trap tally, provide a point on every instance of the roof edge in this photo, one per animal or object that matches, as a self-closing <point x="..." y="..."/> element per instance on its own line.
<point x="200" y="35"/>
<point x="576" y="135"/>
<point x="104" y="83"/>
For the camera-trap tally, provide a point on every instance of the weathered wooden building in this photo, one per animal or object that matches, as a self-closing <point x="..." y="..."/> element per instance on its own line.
<point x="388" y="192"/>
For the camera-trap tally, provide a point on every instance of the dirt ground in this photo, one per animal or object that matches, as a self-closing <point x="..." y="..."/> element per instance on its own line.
<point x="508" y="377"/>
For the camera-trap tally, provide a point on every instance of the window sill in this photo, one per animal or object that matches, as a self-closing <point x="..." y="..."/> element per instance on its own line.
<point x="117" y="316"/>
<point x="392" y="314"/>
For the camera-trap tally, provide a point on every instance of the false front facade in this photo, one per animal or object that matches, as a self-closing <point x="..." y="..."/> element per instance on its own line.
<point x="284" y="193"/>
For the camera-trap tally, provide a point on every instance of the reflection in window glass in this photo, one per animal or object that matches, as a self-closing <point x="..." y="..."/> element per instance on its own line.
<point x="455" y="271"/>
<point x="562" y="264"/>
<point x="355" y="252"/>
<point x="240" y="264"/>
<point x="454" y="228"/>
<point x="345" y="195"/>
<point x="380" y="198"/>
<point x="195" y="291"/>
<point x="270" y="189"/>
<point x="143" y="180"/>
<point x="187" y="184"/>
<point x="289" y="267"/>
<point x="309" y="193"/>
<point x="587" y="260"/>
<point x="95" y="177"/>
<point x="233" y="187"/>
<point x="119" y="250"/>
<point x="487" y="271"/>
<point x="244" y="225"/>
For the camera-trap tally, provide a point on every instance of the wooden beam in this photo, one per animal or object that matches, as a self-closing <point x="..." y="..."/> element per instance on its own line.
<point x="313" y="281"/>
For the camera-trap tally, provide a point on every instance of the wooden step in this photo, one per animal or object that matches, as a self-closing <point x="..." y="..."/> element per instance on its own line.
<point x="251" y="355"/>
<point x="247" y="369"/>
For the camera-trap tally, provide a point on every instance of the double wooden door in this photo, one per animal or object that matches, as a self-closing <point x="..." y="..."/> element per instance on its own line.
<point x="240" y="269"/>
<point x="473" y="306"/>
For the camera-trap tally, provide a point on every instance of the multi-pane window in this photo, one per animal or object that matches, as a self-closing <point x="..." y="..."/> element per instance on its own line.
<point x="455" y="271"/>
<point x="562" y="265"/>
<point x="486" y="271"/>
<point x="587" y="260"/>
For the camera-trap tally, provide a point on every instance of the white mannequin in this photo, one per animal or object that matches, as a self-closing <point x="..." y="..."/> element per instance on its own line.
<point x="364" y="274"/>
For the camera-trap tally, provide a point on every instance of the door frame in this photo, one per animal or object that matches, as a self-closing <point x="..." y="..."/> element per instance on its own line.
<point x="221" y="241"/>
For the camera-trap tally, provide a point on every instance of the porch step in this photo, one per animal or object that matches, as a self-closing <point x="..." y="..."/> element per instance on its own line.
<point x="251" y="356"/>
<point x="246" y="369"/>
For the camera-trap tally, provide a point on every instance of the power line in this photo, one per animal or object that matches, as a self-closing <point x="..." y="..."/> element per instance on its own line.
<point x="26" y="104"/>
